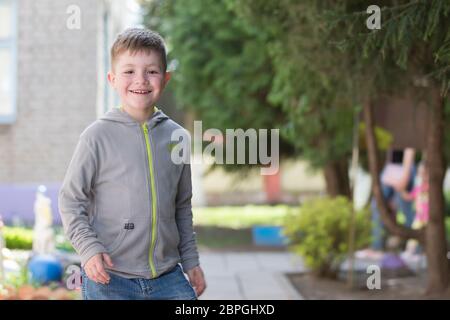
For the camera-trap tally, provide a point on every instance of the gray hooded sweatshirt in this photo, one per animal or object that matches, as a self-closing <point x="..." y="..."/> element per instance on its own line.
<point x="122" y="195"/>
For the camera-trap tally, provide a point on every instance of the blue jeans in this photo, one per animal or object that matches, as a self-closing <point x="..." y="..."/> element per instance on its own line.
<point x="169" y="286"/>
<point x="406" y="207"/>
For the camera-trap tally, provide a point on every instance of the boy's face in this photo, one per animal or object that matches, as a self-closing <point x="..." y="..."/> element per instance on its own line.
<point x="139" y="79"/>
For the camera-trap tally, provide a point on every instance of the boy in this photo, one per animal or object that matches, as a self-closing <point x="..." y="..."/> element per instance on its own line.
<point x="125" y="206"/>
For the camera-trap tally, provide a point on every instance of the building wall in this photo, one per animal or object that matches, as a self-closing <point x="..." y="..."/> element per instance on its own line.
<point x="56" y="100"/>
<point x="56" y="91"/>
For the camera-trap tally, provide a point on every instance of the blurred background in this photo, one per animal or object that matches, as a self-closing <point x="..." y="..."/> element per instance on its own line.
<point x="351" y="89"/>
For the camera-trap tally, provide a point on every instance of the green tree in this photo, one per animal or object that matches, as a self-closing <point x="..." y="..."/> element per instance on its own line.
<point x="411" y="50"/>
<point x="223" y="70"/>
<point x="308" y="84"/>
<point x="234" y="74"/>
<point x="328" y="41"/>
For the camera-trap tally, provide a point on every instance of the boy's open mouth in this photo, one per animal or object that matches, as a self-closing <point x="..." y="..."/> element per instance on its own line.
<point x="140" y="91"/>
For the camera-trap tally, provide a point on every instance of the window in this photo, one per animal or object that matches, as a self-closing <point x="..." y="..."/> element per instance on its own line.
<point x="109" y="97"/>
<point x="8" y="57"/>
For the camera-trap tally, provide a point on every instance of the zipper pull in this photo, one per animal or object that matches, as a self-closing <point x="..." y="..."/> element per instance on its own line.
<point x="144" y="126"/>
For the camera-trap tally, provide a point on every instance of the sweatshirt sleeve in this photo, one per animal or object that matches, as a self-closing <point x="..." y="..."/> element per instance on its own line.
<point x="183" y="216"/>
<point x="74" y="200"/>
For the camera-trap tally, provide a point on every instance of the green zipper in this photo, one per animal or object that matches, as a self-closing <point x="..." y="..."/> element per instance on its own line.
<point x="153" y="188"/>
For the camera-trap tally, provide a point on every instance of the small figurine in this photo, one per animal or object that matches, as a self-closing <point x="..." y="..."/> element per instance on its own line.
<point x="43" y="237"/>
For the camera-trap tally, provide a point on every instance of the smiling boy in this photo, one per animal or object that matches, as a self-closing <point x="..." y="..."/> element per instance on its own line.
<point x="125" y="206"/>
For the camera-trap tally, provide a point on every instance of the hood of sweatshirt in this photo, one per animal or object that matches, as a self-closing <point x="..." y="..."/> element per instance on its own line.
<point x="117" y="115"/>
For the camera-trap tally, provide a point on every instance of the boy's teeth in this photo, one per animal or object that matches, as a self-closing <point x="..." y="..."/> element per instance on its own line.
<point x="134" y="91"/>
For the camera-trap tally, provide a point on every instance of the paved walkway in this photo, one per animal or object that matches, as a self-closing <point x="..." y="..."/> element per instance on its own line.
<point x="234" y="275"/>
<point x="249" y="275"/>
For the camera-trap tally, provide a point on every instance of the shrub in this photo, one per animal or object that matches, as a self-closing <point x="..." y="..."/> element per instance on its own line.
<point x="61" y="243"/>
<point x="18" y="238"/>
<point x="319" y="232"/>
<point x="22" y="238"/>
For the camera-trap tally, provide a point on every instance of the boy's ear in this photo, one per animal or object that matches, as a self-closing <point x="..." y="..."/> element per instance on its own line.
<point x="167" y="77"/>
<point x="111" y="78"/>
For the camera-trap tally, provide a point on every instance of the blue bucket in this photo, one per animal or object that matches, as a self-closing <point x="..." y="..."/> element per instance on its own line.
<point x="45" y="269"/>
<point x="269" y="236"/>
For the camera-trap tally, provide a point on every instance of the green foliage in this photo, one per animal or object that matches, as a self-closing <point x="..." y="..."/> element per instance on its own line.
<point x="447" y="228"/>
<point x="22" y="238"/>
<point x="303" y="66"/>
<point x="310" y="81"/>
<point x="22" y="278"/>
<point x="244" y="64"/>
<point x="223" y="72"/>
<point x="212" y="237"/>
<point x="61" y="243"/>
<point x="319" y="232"/>
<point x="447" y="131"/>
<point x="18" y="238"/>
<point x="447" y="206"/>
<point x="413" y="42"/>
<point x="384" y="138"/>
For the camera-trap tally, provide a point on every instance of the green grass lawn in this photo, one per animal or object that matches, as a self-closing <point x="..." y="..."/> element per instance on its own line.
<point x="231" y="227"/>
<point x="240" y="217"/>
<point x="210" y="237"/>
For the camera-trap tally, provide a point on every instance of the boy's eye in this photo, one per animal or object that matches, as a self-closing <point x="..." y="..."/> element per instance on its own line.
<point x="129" y="72"/>
<point x="152" y="71"/>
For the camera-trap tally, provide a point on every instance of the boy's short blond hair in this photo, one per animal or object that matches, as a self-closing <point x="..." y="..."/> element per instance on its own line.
<point x="137" y="39"/>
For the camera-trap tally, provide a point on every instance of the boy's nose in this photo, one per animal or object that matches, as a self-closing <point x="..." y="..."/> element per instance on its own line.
<point x="141" y="78"/>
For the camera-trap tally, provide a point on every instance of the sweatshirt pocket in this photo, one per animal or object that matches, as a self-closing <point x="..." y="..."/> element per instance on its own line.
<point x="130" y="251"/>
<point x="115" y="244"/>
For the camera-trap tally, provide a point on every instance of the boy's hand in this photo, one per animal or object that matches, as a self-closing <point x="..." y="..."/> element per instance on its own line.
<point x="95" y="269"/>
<point x="197" y="280"/>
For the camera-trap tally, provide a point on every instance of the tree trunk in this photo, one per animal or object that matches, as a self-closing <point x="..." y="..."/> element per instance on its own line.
<point x="386" y="215"/>
<point x="435" y="241"/>
<point x="336" y="178"/>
